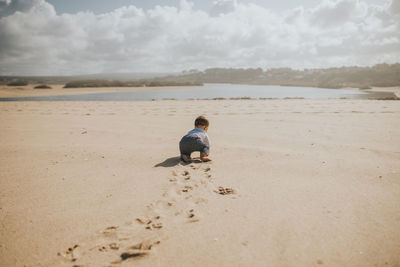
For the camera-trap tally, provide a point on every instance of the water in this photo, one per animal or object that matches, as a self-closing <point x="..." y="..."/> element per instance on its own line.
<point x="208" y="91"/>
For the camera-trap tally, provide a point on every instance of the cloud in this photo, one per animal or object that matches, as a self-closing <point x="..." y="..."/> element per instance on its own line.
<point x="334" y="14"/>
<point x="9" y="7"/>
<point x="223" y="7"/>
<point x="395" y="7"/>
<point x="37" y="41"/>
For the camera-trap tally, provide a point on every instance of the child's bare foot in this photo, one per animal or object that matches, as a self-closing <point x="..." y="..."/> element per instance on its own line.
<point x="186" y="158"/>
<point x="203" y="157"/>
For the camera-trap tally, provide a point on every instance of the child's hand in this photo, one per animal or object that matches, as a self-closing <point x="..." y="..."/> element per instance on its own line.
<point x="205" y="159"/>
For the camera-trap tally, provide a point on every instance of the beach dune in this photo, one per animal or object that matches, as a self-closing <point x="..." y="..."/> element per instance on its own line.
<point x="292" y="183"/>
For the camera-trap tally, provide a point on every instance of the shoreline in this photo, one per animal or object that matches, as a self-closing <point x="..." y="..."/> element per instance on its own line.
<point x="58" y="90"/>
<point x="28" y="93"/>
<point x="395" y="90"/>
<point x="392" y="89"/>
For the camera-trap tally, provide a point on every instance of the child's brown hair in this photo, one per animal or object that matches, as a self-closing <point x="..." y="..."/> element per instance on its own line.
<point x="201" y="121"/>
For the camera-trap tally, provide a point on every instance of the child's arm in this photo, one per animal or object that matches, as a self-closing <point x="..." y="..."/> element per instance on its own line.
<point x="204" y="155"/>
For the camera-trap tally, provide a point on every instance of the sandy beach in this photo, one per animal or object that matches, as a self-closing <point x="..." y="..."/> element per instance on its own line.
<point x="292" y="183"/>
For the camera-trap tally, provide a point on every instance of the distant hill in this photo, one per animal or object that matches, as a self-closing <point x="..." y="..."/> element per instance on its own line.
<point x="65" y="79"/>
<point x="121" y="76"/>
<point x="138" y="83"/>
<point x="382" y="75"/>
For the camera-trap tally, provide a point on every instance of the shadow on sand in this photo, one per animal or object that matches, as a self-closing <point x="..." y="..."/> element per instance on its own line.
<point x="171" y="162"/>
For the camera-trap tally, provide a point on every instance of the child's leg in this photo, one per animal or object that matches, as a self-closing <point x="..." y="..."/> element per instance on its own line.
<point x="185" y="147"/>
<point x="189" y="145"/>
<point x="185" y="158"/>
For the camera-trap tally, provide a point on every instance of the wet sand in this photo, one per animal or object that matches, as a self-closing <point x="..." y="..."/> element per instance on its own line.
<point x="58" y="89"/>
<point x="292" y="183"/>
<point x="395" y="90"/>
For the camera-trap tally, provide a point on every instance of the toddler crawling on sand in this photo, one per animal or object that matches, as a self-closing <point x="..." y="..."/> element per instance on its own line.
<point x="196" y="140"/>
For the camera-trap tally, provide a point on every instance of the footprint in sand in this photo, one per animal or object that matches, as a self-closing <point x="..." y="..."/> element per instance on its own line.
<point x="115" y="242"/>
<point x="192" y="216"/>
<point x="113" y="246"/>
<point x="173" y="179"/>
<point x="154" y="223"/>
<point x="193" y="166"/>
<point x="71" y="253"/>
<point x="186" y="175"/>
<point x="137" y="251"/>
<point x="187" y="188"/>
<point x="173" y="193"/>
<point x="183" y="199"/>
<point x="151" y="224"/>
<point x="224" y="191"/>
<point x="110" y="230"/>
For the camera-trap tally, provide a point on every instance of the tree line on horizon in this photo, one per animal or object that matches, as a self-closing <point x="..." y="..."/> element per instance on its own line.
<point x="380" y="75"/>
<point x="138" y="83"/>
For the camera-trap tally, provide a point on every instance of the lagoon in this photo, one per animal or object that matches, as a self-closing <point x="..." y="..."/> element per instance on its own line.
<point x="208" y="91"/>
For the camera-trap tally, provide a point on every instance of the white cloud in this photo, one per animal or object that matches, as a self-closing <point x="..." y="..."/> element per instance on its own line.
<point x="35" y="40"/>
<point x="223" y="7"/>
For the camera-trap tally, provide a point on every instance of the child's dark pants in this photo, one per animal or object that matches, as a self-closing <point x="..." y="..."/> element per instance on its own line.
<point x="189" y="144"/>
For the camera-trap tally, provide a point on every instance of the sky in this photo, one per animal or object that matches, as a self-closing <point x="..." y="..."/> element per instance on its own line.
<point x="102" y="6"/>
<point x="58" y="37"/>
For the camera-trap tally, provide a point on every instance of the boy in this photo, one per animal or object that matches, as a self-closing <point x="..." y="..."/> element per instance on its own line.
<point x="196" y="140"/>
